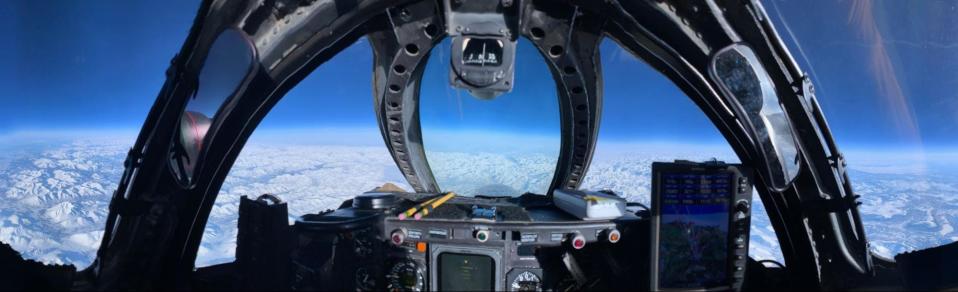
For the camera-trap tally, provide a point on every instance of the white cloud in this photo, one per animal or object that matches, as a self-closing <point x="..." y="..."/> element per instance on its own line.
<point x="57" y="196"/>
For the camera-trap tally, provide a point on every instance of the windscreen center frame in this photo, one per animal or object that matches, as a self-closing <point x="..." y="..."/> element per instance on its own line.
<point x="570" y="49"/>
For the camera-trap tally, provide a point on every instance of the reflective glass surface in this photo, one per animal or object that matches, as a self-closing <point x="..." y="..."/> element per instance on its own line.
<point x="743" y="77"/>
<point x="885" y="74"/>
<point x="311" y="156"/>
<point x="504" y="146"/>
<point x="646" y="118"/>
<point x="227" y="64"/>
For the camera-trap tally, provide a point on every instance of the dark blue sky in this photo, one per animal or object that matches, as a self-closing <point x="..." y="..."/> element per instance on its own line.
<point x="86" y="64"/>
<point x="886" y="73"/>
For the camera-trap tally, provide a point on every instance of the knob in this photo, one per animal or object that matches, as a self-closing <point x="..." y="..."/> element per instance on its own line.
<point x="578" y="241"/>
<point x="398" y="237"/>
<point x="613" y="235"/>
<point x="481" y="235"/>
<point x="741" y="210"/>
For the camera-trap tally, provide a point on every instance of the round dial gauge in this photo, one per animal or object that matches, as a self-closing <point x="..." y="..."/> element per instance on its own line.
<point x="526" y="281"/>
<point x="405" y="276"/>
<point x="365" y="281"/>
<point x="363" y="246"/>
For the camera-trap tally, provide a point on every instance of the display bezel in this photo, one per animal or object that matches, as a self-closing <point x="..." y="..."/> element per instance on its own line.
<point x="443" y="269"/>
<point x="658" y="170"/>
<point x="437" y="249"/>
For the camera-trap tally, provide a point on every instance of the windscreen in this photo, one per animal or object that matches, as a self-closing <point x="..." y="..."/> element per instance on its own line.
<point x="319" y="146"/>
<point x="503" y="146"/>
<point x="228" y="62"/>
<point x="693" y="229"/>
<point x="646" y="118"/>
<point x="884" y="76"/>
<point x="747" y="83"/>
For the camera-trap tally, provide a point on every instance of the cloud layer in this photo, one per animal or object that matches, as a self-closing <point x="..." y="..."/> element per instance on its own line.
<point x="56" y="196"/>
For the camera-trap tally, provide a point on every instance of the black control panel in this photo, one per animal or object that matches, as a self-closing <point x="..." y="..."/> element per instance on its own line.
<point x="507" y="249"/>
<point x="700" y="225"/>
<point x="694" y="237"/>
<point x="467" y="243"/>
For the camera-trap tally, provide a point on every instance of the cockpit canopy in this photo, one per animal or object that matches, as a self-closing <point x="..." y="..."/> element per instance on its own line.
<point x="501" y="146"/>
<point x="487" y="131"/>
<point x="449" y="76"/>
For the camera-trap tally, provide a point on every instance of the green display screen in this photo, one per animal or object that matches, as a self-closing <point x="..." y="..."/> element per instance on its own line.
<point x="466" y="272"/>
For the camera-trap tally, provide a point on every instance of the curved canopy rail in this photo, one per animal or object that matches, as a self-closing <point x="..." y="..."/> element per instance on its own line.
<point x="155" y="223"/>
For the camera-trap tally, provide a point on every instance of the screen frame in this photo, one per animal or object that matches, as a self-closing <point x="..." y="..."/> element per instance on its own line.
<point x="494" y="253"/>
<point x="441" y="270"/>
<point x="660" y="168"/>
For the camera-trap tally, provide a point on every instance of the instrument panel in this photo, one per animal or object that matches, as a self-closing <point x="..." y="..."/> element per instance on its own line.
<point x="700" y="213"/>
<point x="460" y="255"/>
<point x="466" y="244"/>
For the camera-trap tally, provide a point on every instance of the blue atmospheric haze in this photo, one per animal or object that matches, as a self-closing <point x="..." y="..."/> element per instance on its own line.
<point x="98" y="65"/>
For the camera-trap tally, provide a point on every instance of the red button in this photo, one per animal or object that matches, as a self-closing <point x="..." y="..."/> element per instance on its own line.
<point x="578" y="242"/>
<point x="398" y="237"/>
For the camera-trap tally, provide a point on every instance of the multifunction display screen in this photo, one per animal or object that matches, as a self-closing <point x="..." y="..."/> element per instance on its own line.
<point x="693" y="229"/>
<point x="466" y="272"/>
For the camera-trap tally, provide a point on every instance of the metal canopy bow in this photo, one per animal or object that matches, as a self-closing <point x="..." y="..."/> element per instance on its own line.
<point x="724" y="54"/>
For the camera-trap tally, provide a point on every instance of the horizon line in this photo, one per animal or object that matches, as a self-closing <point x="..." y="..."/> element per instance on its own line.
<point x="49" y="133"/>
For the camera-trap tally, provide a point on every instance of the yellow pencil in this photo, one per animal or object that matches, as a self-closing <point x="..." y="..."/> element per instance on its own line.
<point x="429" y="207"/>
<point x="416" y="208"/>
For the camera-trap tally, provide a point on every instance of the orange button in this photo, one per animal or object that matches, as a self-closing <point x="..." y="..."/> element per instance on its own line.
<point x="421" y="246"/>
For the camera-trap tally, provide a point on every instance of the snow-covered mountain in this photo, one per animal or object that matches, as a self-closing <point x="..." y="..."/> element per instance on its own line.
<point x="56" y="196"/>
<point x="56" y="193"/>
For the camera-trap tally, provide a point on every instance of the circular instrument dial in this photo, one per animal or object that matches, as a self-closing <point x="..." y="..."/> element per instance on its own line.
<point x="405" y="276"/>
<point x="363" y="246"/>
<point x="526" y="281"/>
<point x="365" y="281"/>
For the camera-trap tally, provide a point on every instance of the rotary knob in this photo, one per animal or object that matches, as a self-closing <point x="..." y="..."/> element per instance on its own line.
<point x="578" y="241"/>
<point x="741" y="210"/>
<point x="398" y="237"/>
<point x="481" y="235"/>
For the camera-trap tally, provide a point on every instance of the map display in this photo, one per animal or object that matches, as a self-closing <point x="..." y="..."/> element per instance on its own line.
<point x="693" y="233"/>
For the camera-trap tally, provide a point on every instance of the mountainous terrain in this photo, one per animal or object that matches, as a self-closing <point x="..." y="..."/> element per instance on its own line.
<point x="56" y="193"/>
